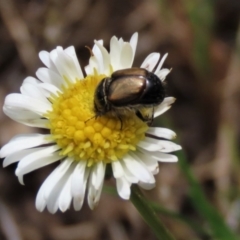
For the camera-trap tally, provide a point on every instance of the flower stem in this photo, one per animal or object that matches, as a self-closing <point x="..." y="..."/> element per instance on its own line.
<point x="149" y="215"/>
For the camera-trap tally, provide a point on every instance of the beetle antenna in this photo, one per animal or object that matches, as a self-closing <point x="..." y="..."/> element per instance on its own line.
<point x="90" y="51"/>
<point x="89" y="119"/>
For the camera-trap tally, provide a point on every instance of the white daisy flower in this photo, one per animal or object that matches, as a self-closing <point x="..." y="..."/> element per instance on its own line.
<point x="61" y="99"/>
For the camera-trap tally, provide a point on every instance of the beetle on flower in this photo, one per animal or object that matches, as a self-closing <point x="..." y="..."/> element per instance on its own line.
<point x="61" y="99"/>
<point x="131" y="89"/>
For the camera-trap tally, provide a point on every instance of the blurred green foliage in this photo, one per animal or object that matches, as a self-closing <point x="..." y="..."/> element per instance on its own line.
<point x="201" y="18"/>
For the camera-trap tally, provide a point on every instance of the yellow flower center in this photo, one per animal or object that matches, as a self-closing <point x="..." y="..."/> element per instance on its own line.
<point x="84" y="137"/>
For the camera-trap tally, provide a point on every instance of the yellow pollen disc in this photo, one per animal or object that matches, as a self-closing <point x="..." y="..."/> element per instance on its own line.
<point x="84" y="137"/>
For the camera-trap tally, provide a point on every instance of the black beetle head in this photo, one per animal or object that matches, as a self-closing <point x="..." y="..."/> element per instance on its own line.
<point x="101" y="104"/>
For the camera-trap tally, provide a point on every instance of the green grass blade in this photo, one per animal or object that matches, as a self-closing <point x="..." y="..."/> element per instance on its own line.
<point x="168" y="213"/>
<point x="218" y="227"/>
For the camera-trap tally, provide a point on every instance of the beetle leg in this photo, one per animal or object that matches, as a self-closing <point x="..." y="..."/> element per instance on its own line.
<point x="151" y="119"/>
<point x="147" y="119"/>
<point x="95" y="116"/>
<point x="139" y="115"/>
<point x="120" y="121"/>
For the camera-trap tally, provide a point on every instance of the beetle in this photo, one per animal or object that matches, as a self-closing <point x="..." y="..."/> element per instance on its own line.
<point x="128" y="89"/>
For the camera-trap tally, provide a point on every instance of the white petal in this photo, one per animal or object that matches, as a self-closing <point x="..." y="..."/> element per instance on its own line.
<point x="164" y="145"/>
<point x="164" y="106"/>
<point x="97" y="174"/>
<point x="121" y="42"/>
<point x="126" y="58"/>
<point x="26" y="114"/>
<point x="117" y="169"/>
<point x="105" y="59"/>
<point x="24" y="141"/>
<point x="31" y="80"/>
<point x="65" y="65"/>
<point x="164" y="157"/>
<point x="40" y="85"/>
<point x="39" y="123"/>
<point x="38" y="154"/>
<point x="155" y="171"/>
<point x="94" y="196"/>
<point x="37" y="159"/>
<point x="60" y="193"/>
<point x="147" y="160"/>
<point x="93" y="193"/>
<point x="28" y="103"/>
<point x="36" y="165"/>
<point x="58" y="174"/>
<point x="50" y="89"/>
<point x="138" y="170"/>
<point x="49" y="184"/>
<point x="48" y="76"/>
<point x="159" y="156"/>
<point x="115" y="53"/>
<point x="168" y="146"/>
<point x="128" y="175"/>
<point x="161" y="132"/>
<point x="88" y="70"/>
<point x="40" y="201"/>
<point x="79" y="183"/>
<point x="98" y="58"/>
<point x="150" y="61"/>
<point x="78" y="202"/>
<point x="32" y="90"/>
<point x="123" y="188"/>
<point x="45" y="58"/>
<point x="65" y="196"/>
<point x="77" y="179"/>
<point x="17" y="156"/>
<point x="148" y="146"/>
<point x="163" y="73"/>
<point x="133" y="42"/>
<point x="71" y="51"/>
<point x="161" y="63"/>
<point x="93" y="66"/>
<point x="26" y="117"/>
<point x="95" y="47"/>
